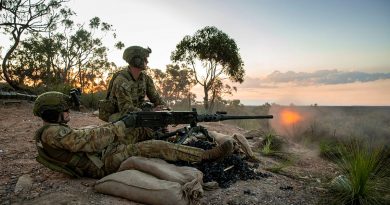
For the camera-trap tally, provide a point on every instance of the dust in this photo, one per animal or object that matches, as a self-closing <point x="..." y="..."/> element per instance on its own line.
<point x="371" y="124"/>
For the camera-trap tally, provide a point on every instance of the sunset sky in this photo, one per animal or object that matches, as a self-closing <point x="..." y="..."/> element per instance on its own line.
<point x="329" y="52"/>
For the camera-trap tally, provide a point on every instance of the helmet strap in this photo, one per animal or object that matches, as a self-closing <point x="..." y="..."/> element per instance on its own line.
<point x="61" y="118"/>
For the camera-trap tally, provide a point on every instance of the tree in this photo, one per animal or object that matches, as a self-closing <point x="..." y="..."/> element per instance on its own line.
<point x="83" y="49"/>
<point x="215" y="52"/>
<point x="1" y="58"/>
<point x="69" y="53"/>
<point x="218" y="91"/>
<point x="175" y="84"/>
<point x="31" y="63"/>
<point x="20" y="16"/>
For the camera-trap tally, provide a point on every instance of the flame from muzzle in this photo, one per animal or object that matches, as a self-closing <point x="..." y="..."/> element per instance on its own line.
<point x="289" y="117"/>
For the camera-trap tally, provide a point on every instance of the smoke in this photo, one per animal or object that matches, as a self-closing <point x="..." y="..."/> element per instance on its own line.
<point x="316" y="123"/>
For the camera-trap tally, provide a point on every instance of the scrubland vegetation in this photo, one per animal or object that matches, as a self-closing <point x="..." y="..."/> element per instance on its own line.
<point x="355" y="139"/>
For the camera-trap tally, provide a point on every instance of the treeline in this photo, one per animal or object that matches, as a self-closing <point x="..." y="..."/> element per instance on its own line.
<point x="50" y="51"/>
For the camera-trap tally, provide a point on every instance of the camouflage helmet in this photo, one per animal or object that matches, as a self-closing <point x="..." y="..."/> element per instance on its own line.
<point x="54" y="101"/>
<point x="135" y="55"/>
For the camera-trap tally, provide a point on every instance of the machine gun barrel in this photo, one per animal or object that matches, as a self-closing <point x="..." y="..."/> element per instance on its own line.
<point x="222" y="117"/>
<point x="161" y="119"/>
<point x="165" y="118"/>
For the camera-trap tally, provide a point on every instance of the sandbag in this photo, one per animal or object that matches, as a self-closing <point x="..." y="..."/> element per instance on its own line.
<point x="141" y="187"/>
<point x="190" y="178"/>
<point x="219" y="137"/>
<point x="244" y="144"/>
<point x="162" y="169"/>
<point x="241" y="144"/>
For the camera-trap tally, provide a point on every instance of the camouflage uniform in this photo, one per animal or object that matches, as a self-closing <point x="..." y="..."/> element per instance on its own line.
<point x="129" y="93"/>
<point x="96" y="152"/>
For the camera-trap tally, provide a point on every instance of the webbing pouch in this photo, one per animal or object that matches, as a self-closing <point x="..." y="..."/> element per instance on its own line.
<point x="107" y="107"/>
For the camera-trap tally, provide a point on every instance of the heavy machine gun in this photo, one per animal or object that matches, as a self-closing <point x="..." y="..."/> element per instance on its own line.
<point x="160" y="119"/>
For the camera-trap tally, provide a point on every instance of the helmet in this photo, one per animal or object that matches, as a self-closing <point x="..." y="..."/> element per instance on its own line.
<point x="51" y="101"/>
<point x="136" y="55"/>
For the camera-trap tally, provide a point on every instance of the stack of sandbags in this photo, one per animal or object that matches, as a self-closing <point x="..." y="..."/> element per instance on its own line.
<point x="153" y="181"/>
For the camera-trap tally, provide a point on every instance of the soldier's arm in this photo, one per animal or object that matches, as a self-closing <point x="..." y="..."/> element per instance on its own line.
<point x="122" y="92"/>
<point x="84" y="140"/>
<point x="152" y="93"/>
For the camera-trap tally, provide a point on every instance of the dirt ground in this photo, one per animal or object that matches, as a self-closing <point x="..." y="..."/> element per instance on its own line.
<point x="302" y="182"/>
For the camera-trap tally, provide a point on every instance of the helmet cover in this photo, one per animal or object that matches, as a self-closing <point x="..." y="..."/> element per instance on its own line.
<point x="54" y="101"/>
<point x="136" y="55"/>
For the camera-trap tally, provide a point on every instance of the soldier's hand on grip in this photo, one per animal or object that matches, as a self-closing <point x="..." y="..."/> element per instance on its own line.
<point x="130" y="120"/>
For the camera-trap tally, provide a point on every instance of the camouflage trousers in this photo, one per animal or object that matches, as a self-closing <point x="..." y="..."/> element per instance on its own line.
<point x="140" y="143"/>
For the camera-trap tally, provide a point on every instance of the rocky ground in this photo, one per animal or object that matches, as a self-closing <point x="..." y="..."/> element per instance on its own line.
<point x="25" y="181"/>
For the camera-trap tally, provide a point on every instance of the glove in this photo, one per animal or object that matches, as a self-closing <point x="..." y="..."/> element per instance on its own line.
<point x="130" y="120"/>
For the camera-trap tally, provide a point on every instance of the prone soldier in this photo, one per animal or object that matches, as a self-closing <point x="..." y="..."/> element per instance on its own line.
<point x="99" y="151"/>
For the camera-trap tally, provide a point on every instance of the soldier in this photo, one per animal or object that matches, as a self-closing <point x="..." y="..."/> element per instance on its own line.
<point x="132" y="84"/>
<point x="98" y="151"/>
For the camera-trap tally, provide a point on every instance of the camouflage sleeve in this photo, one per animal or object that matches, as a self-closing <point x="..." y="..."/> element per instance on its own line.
<point x="122" y="92"/>
<point x="152" y="93"/>
<point x="85" y="139"/>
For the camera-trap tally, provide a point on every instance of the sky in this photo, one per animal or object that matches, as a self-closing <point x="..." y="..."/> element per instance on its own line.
<point x="329" y="52"/>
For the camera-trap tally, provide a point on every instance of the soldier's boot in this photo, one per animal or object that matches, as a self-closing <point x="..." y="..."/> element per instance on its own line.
<point x="218" y="152"/>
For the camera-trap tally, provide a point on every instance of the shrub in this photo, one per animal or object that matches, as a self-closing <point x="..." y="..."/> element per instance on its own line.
<point x="91" y="100"/>
<point x="266" y="149"/>
<point x="329" y="149"/>
<point x="364" y="175"/>
<point x="271" y="144"/>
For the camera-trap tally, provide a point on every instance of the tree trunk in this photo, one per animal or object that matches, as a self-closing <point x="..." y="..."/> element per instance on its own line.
<point x="189" y="101"/>
<point x="7" y="78"/>
<point x="81" y="79"/>
<point x="212" y="101"/>
<point x="206" y="99"/>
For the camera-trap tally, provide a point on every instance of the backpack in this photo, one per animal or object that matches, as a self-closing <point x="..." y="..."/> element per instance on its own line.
<point x="108" y="106"/>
